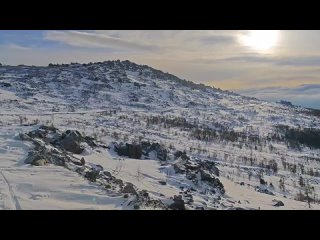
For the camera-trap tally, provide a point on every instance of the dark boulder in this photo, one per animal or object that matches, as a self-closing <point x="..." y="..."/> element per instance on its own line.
<point x="144" y="194"/>
<point x="71" y="141"/>
<point x="205" y="175"/>
<point x="129" y="150"/>
<point x="129" y="188"/>
<point x="214" y="182"/>
<point x="182" y="155"/>
<point x="178" y="203"/>
<point x="107" y="174"/>
<point x="199" y="208"/>
<point x="264" y="190"/>
<point x="92" y="175"/>
<point x="278" y="204"/>
<point x="163" y="182"/>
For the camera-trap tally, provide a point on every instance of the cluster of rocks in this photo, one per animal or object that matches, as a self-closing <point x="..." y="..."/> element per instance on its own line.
<point x="137" y="150"/>
<point x="41" y="156"/>
<point x="206" y="170"/>
<point x="69" y="140"/>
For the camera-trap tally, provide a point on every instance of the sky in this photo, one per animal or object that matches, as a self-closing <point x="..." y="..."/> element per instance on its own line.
<point x="268" y="64"/>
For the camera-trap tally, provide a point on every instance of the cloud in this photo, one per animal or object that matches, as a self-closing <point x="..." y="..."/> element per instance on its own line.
<point x="307" y="95"/>
<point x="161" y="41"/>
<point x="15" y="47"/>
<point x="96" y="40"/>
<point x="295" y="61"/>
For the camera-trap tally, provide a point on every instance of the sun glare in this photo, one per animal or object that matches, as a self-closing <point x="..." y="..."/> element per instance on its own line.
<point x="261" y="40"/>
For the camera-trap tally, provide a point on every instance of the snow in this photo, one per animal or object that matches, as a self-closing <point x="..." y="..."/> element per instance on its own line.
<point x="52" y="187"/>
<point x="251" y="199"/>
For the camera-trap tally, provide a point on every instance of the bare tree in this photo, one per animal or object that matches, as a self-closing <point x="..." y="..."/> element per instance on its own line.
<point x="139" y="175"/>
<point x="308" y="192"/>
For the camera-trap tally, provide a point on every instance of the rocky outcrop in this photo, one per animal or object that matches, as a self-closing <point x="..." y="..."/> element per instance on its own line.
<point x="160" y="151"/>
<point x="92" y="175"/>
<point x="178" y="203"/>
<point x="210" y="166"/>
<point x="278" y="203"/>
<point x="137" y="150"/>
<point x="182" y="155"/>
<point x="129" y="150"/>
<point x="40" y="162"/>
<point x="128" y="188"/>
<point x="71" y="140"/>
<point x="179" y="167"/>
<point x="41" y="153"/>
<point x="214" y="182"/>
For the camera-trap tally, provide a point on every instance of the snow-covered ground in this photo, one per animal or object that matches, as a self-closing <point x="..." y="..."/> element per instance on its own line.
<point x="121" y="101"/>
<point x="52" y="187"/>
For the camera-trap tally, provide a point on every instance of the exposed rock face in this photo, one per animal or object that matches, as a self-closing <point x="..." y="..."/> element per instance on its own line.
<point x="210" y="166"/>
<point x="182" y="155"/>
<point x="34" y="156"/>
<point x="214" y="182"/>
<point x="40" y="162"/>
<point x="191" y="166"/>
<point x="71" y="141"/>
<point x="40" y="153"/>
<point x="178" y="203"/>
<point x="179" y="168"/>
<point x="129" y="189"/>
<point x="136" y="150"/>
<point x="160" y="151"/>
<point x="129" y="150"/>
<point x="278" y="203"/>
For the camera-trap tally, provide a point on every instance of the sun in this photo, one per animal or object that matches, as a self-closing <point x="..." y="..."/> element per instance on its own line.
<point x="260" y="40"/>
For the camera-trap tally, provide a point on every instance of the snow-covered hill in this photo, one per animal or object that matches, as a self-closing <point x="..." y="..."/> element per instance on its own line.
<point x="265" y="153"/>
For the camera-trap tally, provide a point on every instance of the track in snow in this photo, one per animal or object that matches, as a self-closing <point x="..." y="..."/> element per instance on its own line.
<point x="14" y="199"/>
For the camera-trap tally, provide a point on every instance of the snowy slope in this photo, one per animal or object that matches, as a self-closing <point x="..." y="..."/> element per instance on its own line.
<point x="122" y="101"/>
